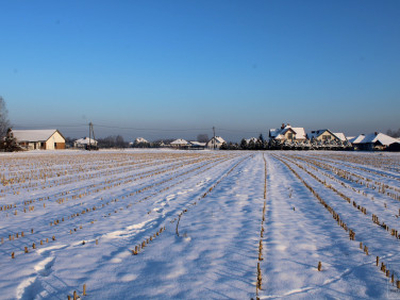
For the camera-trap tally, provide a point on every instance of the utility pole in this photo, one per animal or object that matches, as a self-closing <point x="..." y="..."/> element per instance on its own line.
<point x="91" y="136"/>
<point x="90" y="125"/>
<point x="214" y="138"/>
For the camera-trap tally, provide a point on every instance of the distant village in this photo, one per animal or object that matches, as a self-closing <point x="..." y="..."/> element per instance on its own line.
<point x="285" y="137"/>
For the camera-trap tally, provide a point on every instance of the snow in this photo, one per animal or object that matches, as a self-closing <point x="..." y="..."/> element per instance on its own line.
<point x="198" y="144"/>
<point x="379" y="137"/>
<point x="85" y="141"/>
<point x="179" y="142"/>
<point x="252" y="139"/>
<point x="373" y="138"/>
<point x="357" y="139"/>
<point x="317" y="133"/>
<point x="141" y="140"/>
<point x="33" y="135"/>
<point x="211" y="205"/>
<point x="279" y="133"/>
<point x="217" y="141"/>
<point x="341" y="136"/>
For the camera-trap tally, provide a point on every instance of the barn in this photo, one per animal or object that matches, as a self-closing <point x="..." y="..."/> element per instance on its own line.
<point x="48" y="139"/>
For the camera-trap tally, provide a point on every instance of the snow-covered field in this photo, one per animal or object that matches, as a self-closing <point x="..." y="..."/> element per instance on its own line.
<point x="199" y="225"/>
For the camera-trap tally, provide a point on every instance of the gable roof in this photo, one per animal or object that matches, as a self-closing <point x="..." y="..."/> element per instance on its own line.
<point x="377" y="138"/>
<point x="317" y="133"/>
<point x="179" y="142"/>
<point x="34" y="135"/>
<point x="357" y="139"/>
<point x="197" y="144"/>
<point x="218" y="140"/>
<point x="341" y="136"/>
<point x="279" y="133"/>
<point x="141" y="140"/>
<point x="85" y="141"/>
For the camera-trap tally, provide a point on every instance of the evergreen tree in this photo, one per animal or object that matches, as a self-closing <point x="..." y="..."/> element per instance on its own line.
<point x="251" y="145"/>
<point x="243" y="144"/>
<point x="224" y="146"/>
<point x="9" y="143"/>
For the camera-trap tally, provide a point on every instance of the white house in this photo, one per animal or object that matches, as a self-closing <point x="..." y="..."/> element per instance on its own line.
<point x="179" y="143"/>
<point x="215" y="142"/>
<point x="49" y="139"/>
<point x="326" y="135"/>
<point x="84" y="142"/>
<point x="140" y="140"/>
<point x="287" y="132"/>
<point x="373" y="141"/>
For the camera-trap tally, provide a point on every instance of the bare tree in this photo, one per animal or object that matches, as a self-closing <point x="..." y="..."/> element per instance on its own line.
<point x="203" y="138"/>
<point x="393" y="133"/>
<point x="4" y="122"/>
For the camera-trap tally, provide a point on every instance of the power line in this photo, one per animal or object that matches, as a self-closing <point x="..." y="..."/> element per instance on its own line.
<point x="150" y="129"/>
<point x="84" y="126"/>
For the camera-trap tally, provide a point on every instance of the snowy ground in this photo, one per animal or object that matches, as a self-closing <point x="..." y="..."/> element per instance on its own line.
<point x="205" y="225"/>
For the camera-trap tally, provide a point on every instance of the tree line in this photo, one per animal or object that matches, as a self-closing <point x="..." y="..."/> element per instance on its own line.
<point x="393" y="133"/>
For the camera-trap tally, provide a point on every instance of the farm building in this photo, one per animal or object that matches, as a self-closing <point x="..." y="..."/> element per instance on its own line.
<point x="84" y="142"/>
<point x="48" y="139"/>
<point x="287" y="132"/>
<point x="215" y="142"/>
<point x="374" y="141"/>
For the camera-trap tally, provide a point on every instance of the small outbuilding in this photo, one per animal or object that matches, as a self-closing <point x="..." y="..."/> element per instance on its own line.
<point x="48" y="139"/>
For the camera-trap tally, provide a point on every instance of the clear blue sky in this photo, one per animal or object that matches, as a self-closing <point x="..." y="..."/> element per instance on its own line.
<point x="162" y="69"/>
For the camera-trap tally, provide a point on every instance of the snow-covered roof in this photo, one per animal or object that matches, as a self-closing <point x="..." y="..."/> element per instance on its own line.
<point x="198" y="144"/>
<point x="341" y="136"/>
<point x="179" y="142"/>
<point x="33" y="135"/>
<point x="140" y="140"/>
<point x="279" y="133"/>
<point x="85" y="141"/>
<point x="317" y="133"/>
<point x="218" y="139"/>
<point x="356" y="139"/>
<point x="253" y="139"/>
<point x="373" y="138"/>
